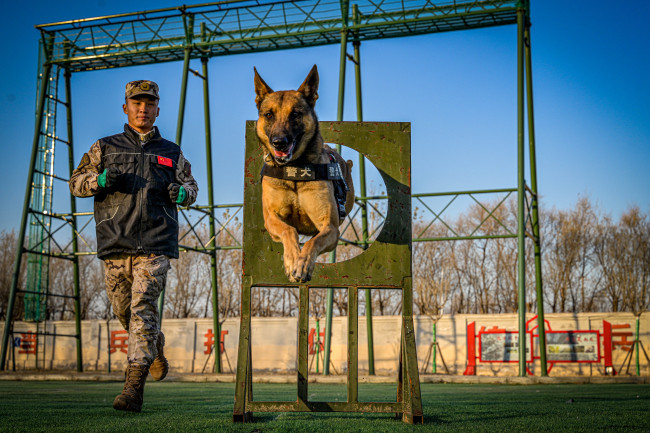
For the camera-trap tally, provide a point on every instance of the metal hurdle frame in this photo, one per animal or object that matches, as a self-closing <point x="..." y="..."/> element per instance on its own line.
<point x="386" y="264"/>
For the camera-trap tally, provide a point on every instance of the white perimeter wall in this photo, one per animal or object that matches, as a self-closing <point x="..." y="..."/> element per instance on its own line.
<point x="275" y="342"/>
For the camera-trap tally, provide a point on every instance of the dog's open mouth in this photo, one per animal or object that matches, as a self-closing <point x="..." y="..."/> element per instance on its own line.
<point x="284" y="156"/>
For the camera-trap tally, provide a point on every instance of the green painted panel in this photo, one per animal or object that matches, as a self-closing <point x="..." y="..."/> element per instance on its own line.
<point x="388" y="260"/>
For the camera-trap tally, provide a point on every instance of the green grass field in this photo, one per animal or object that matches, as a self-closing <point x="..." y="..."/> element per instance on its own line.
<point x="202" y="407"/>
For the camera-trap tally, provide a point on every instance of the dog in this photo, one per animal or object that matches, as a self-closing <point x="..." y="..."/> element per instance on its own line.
<point x="287" y="129"/>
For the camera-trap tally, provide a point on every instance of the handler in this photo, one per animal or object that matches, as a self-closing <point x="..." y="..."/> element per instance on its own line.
<point x="137" y="178"/>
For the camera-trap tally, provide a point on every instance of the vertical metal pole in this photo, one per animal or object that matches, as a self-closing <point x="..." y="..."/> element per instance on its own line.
<point x="535" y="210"/>
<point x="108" y="341"/>
<point x="345" y="5"/>
<point x="362" y="190"/>
<point x="328" y="325"/>
<point x="73" y="210"/>
<point x="47" y="69"/>
<point x="637" y="344"/>
<point x="181" y="107"/>
<point x="213" y="257"/>
<point x="521" y="256"/>
<point x="317" y="343"/>
<point x="330" y="292"/>
<point x="434" y="346"/>
<point x="189" y="31"/>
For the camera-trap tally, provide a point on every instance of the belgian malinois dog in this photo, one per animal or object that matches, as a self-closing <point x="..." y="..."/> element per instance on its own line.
<point x="287" y="129"/>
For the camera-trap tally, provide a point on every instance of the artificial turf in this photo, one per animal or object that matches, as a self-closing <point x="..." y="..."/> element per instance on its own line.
<point x="202" y="407"/>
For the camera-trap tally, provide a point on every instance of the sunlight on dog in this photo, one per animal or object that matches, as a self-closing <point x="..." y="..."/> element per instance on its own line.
<point x="306" y="185"/>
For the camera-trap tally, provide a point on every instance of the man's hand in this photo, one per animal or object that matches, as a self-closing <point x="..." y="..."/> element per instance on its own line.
<point x="108" y="178"/>
<point x="177" y="193"/>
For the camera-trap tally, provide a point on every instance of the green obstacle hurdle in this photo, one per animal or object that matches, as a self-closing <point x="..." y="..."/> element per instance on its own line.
<point x="386" y="264"/>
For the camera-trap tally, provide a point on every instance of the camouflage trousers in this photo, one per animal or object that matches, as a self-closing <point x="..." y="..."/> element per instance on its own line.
<point x="133" y="285"/>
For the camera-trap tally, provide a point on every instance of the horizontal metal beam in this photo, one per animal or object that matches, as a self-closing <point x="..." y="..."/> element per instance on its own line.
<point x="156" y="12"/>
<point x="56" y="295"/>
<point x="323" y="406"/>
<point x="66" y="256"/>
<point x="463" y="238"/>
<point x="48" y="334"/>
<point x="53" y="176"/>
<point x="470" y="192"/>
<point x="332" y="286"/>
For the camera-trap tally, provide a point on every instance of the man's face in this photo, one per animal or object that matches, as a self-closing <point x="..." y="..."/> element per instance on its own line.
<point x="141" y="112"/>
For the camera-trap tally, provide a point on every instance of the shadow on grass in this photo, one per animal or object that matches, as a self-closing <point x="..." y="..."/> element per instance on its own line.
<point x="269" y="417"/>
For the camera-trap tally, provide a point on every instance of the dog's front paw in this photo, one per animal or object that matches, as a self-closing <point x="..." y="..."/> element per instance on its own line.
<point x="292" y="279"/>
<point x="289" y="266"/>
<point x="290" y="272"/>
<point x="302" y="270"/>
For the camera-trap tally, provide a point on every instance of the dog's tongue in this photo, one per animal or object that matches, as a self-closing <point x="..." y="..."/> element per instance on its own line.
<point x="280" y="154"/>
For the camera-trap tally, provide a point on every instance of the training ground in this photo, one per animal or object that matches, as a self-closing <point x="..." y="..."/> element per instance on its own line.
<point x="72" y="402"/>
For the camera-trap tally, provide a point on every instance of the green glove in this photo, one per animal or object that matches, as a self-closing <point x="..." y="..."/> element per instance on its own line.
<point x="108" y="178"/>
<point x="182" y="194"/>
<point x="177" y="193"/>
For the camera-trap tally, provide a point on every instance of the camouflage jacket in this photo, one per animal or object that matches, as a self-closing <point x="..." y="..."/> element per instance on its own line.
<point x="136" y="214"/>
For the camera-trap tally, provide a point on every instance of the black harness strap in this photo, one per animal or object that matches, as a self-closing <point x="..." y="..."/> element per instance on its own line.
<point x="309" y="172"/>
<point x="303" y="172"/>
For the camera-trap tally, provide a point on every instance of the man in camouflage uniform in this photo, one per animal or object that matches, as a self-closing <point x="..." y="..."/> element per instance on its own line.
<point x="137" y="178"/>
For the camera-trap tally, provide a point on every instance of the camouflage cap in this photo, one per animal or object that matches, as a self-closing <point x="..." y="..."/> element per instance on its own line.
<point x="141" y="87"/>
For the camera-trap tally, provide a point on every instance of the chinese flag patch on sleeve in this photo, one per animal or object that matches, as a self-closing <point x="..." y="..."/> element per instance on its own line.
<point x="164" y="161"/>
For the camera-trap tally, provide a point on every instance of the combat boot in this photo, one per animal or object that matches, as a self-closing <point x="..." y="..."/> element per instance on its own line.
<point x="160" y="366"/>
<point x="132" y="393"/>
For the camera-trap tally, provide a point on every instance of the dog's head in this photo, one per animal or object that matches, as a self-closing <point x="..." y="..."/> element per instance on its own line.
<point x="287" y="122"/>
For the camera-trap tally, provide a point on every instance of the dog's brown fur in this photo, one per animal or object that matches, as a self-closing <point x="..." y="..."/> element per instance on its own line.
<point x="287" y="129"/>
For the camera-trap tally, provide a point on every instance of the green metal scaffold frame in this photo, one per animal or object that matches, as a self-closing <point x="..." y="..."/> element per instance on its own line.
<point x="247" y="26"/>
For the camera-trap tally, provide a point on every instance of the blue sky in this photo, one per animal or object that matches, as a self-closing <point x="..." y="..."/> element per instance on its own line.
<point x="591" y="65"/>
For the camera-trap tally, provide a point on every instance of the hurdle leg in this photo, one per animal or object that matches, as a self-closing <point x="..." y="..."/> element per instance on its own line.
<point x="243" y="388"/>
<point x="400" y="375"/>
<point x="303" y="347"/>
<point x="353" y="347"/>
<point x="412" y="396"/>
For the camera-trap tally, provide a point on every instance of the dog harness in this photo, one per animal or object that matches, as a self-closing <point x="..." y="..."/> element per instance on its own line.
<point x="310" y="172"/>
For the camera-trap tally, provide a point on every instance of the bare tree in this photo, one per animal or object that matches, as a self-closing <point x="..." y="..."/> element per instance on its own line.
<point x="571" y="278"/>
<point x="623" y="254"/>
<point x="433" y="270"/>
<point x="229" y="267"/>
<point x="94" y="300"/>
<point x="189" y="281"/>
<point x="486" y="268"/>
<point x="8" y="247"/>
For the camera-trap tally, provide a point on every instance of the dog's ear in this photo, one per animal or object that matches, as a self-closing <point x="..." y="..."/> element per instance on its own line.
<point x="261" y="89"/>
<point x="309" y="88"/>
